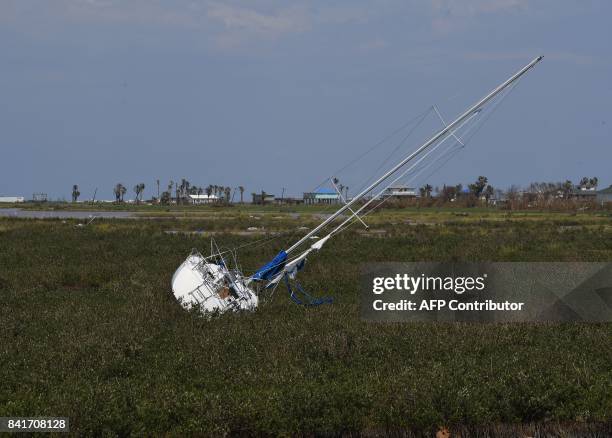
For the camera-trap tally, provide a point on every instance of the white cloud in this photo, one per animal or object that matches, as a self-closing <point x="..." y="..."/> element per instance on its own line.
<point x="277" y="23"/>
<point x="241" y="25"/>
<point x="451" y="15"/>
<point x="469" y="8"/>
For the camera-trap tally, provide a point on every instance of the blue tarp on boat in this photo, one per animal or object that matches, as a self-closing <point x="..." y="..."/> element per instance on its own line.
<point x="272" y="268"/>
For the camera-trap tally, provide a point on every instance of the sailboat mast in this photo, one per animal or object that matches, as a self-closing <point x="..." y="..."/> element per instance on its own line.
<point x="421" y="148"/>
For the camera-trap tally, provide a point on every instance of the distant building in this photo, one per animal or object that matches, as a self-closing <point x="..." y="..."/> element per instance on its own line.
<point x="203" y="199"/>
<point x="263" y="198"/>
<point x="584" y="194"/>
<point x="399" y="192"/>
<point x="12" y="199"/>
<point x="605" y="195"/>
<point x="322" y="196"/>
<point x="39" y="197"/>
<point x="289" y="200"/>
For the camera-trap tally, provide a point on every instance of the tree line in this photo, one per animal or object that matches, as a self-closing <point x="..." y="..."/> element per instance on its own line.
<point x="176" y="192"/>
<point x="478" y="192"/>
<point x="535" y="194"/>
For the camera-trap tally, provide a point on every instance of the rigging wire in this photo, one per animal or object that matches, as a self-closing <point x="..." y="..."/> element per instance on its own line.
<point x="420" y="117"/>
<point x="352" y="220"/>
<point x="411" y="169"/>
<point x="399" y="145"/>
<point x="467" y="137"/>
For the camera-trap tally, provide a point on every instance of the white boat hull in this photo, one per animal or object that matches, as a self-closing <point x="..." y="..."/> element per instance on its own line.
<point x="211" y="287"/>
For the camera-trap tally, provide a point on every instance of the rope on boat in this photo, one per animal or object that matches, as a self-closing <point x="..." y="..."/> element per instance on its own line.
<point x="306" y="299"/>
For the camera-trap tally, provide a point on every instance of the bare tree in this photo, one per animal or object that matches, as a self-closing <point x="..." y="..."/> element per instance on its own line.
<point x="448" y="193"/>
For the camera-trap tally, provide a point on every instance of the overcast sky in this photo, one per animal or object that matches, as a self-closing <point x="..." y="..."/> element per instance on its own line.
<point x="270" y="94"/>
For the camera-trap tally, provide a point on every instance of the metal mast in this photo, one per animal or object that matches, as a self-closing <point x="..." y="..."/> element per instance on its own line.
<point x="421" y="148"/>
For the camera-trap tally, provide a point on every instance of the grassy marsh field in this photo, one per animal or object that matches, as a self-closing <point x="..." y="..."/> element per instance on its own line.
<point x="92" y="332"/>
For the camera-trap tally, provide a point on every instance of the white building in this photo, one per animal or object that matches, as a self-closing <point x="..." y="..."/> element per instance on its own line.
<point x="203" y="199"/>
<point x="12" y="199"/>
<point x="399" y="191"/>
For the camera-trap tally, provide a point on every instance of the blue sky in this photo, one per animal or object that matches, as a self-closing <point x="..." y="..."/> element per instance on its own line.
<point x="271" y="94"/>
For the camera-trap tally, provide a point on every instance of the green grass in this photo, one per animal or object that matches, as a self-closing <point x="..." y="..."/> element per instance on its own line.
<point x="160" y="209"/>
<point x="91" y="331"/>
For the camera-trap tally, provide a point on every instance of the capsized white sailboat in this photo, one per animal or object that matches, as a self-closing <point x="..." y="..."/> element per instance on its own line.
<point x="216" y="284"/>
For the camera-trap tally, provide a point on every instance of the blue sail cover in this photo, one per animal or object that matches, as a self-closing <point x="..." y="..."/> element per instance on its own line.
<point x="272" y="268"/>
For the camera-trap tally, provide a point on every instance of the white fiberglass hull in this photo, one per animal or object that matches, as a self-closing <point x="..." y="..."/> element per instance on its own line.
<point x="211" y="287"/>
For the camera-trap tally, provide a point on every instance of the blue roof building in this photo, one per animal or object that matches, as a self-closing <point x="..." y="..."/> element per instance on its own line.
<point x="322" y="196"/>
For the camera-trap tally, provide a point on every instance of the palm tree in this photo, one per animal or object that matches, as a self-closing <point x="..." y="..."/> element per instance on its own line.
<point x="170" y="185"/>
<point x="478" y="187"/>
<point x="183" y="190"/>
<point x="584" y="182"/>
<point x="123" y="191"/>
<point x="138" y="189"/>
<point x="75" y="193"/>
<point x="157" y="190"/>
<point x="567" y="188"/>
<point x="228" y="191"/>
<point x="241" y="193"/>
<point x="117" y="192"/>
<point x="488" y="193"/>
<point x="426" y="191"/>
